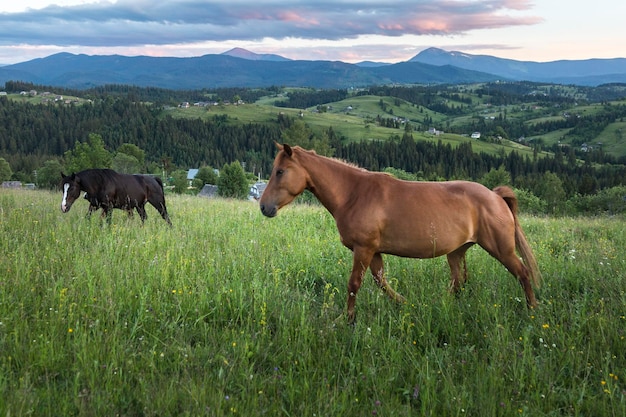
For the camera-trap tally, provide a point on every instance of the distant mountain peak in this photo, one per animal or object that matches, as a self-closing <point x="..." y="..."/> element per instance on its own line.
<point x="249" y="55"/>
<point x="437" y="53"/>
<point x="584" y="72"/>
<point x="241" y="53"/>
<point x="371" y="64"/>
<point x="433" y="50"/>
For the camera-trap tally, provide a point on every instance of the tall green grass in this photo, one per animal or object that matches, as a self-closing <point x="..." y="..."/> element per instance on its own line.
<point x="229" y="313"/>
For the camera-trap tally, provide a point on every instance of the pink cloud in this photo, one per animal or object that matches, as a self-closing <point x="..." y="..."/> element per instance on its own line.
<point x="291" y="16"/>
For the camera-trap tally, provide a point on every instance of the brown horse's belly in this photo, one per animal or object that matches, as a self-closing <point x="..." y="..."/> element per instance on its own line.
<point x="431" y="243"/>
<point x="420" y="250"/>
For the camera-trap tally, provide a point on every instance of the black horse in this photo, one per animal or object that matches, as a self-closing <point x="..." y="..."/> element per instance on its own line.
<point x="95" y="204"/>
<point x="107" y="189"/>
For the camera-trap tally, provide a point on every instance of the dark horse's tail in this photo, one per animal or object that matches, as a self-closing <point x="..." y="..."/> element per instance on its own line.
<point x="521" y="243"/>
<point x="159" y="181"/>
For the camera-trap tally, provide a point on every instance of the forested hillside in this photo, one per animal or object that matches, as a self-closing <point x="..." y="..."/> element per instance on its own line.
<point x="36" y="131"/>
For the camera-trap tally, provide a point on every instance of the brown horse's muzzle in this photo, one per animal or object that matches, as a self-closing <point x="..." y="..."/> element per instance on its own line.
<point x="268" y="210"/>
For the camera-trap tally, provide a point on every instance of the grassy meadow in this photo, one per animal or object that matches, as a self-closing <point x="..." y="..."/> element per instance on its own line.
<point x="229" y="313"/>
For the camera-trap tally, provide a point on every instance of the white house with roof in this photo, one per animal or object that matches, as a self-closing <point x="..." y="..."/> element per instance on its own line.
<point x="191" y="174"/>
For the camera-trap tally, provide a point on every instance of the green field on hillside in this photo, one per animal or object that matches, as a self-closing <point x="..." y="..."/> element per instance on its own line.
<point x="355" y="118"/>
<point x="354" y="125"/>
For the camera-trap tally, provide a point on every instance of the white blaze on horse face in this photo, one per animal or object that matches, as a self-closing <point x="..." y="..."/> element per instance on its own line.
<point x="64" y="201"/>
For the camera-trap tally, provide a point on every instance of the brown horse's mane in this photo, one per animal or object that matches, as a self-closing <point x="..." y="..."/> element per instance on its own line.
<point x="330" y="158"/>
<point x="343" y="162"/>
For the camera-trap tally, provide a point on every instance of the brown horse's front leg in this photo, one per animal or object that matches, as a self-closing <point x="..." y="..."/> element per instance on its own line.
<point x="378" y="272"/>
<point x="360" y="262"/>
<point x="456" y="261"/>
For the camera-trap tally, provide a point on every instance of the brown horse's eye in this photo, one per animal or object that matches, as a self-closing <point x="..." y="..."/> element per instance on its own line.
<point x="279" y="172"/>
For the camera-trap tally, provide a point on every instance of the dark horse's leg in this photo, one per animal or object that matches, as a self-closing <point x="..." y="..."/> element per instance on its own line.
<point x="90" y="210"/>
<point x="141" y="209"/>
<point x="159" y="205"/>
<point x="456" y="260"/>
<point x="378" y="272"/>
<point x="156" y="197"/>
<point x="107" y="211"/>
<point x="93" y="205"/>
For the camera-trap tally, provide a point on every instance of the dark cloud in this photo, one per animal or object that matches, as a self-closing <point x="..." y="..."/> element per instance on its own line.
<point x="133" y="23"/>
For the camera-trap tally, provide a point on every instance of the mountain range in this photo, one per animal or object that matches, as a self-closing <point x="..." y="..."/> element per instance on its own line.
<point x="241" y="68"/>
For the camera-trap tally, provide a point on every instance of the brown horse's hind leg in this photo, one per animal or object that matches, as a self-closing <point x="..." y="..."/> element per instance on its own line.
<point x="456" y="260"/>
<point x="519" y="270"/>
<point x="378" y="272"/>
<point x="505" y="253"/>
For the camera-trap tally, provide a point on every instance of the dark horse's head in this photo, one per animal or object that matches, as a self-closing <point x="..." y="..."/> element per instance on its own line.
<point x="70" y="185"/>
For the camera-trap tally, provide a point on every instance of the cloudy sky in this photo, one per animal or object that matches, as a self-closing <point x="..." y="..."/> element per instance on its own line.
<point x="346" y="30"/>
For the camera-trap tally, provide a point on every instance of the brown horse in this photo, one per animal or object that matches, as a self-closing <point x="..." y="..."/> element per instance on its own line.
<point x="376" y="213"/>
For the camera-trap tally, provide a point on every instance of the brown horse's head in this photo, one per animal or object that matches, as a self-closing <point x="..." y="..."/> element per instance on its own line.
<point x="288" y="180"/>
<point x="70" y="185"/>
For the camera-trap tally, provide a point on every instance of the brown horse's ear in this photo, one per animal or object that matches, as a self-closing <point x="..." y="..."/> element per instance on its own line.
<point x="287" y="149"/>
<point x="278" y="146"/>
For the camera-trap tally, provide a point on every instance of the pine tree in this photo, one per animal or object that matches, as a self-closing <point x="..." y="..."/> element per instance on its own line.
<point x="232" y="182"/>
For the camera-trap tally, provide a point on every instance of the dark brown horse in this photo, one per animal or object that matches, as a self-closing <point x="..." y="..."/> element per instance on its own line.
<point x="108" y="189"/>
<point x="376" y="213"/>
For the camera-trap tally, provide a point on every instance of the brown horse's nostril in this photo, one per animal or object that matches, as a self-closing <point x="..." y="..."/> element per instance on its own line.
<point x="268" y="211"/>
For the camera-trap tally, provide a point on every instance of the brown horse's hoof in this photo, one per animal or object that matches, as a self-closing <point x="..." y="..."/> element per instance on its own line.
<point x="352" y="319"/>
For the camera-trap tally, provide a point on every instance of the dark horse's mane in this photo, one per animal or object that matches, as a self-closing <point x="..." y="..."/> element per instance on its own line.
<point x="105" y="175"/>
<point x="99" y="176"/>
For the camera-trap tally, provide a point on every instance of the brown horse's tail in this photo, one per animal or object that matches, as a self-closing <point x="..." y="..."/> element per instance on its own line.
<point x="521" y="243"/>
